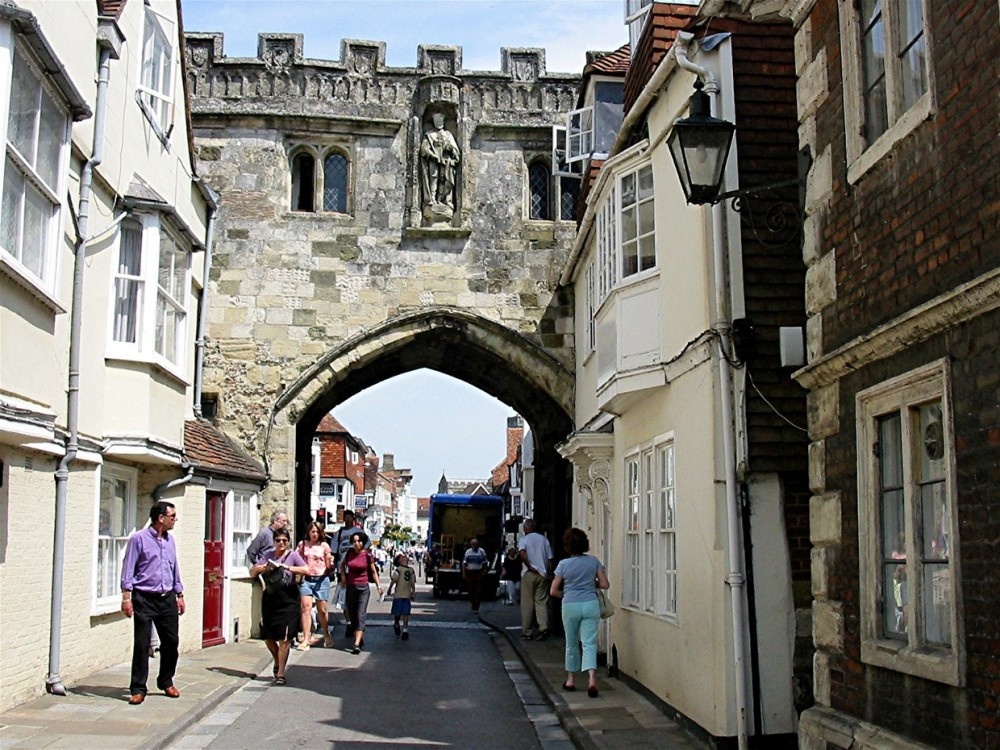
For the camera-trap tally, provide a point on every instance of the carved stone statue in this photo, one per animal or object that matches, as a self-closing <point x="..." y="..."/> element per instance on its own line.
<point x="439" y="157"/>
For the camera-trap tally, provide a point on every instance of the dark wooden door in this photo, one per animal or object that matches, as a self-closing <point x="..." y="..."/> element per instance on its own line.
<point x="215" y="516"/>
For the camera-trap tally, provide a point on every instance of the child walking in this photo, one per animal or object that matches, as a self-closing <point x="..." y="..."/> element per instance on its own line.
<point x="403" y="587"/>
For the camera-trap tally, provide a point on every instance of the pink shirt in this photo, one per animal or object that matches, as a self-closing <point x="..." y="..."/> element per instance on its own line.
<point x="315" y="557"/>
<point x="357" y="568"/>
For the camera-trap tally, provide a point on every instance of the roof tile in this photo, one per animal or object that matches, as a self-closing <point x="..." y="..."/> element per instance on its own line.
<point x="213" y="452"/>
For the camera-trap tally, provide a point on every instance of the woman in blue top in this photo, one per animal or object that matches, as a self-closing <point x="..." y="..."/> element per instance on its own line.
<point x="577" y="579"/>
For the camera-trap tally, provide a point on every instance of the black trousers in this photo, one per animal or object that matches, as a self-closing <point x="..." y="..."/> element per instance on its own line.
<point x="149" y="610"/>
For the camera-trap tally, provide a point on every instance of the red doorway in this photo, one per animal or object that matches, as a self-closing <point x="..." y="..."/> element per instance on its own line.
<point x="215" y="514"/>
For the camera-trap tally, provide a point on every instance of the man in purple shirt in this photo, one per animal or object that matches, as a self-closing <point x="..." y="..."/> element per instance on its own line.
<point x="152" y="591"/>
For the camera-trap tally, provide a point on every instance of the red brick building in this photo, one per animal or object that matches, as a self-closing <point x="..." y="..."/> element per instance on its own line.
<point x="898" y="106"/>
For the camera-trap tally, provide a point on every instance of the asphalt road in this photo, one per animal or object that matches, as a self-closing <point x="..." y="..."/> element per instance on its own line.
<point x="447" y="686"/>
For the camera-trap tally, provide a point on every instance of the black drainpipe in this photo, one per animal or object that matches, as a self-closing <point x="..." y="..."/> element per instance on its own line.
<point x="751" y="609"/>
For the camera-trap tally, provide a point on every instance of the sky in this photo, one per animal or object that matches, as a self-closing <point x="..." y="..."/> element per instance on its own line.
<point x="431" y="423"/>
<point x="566" y="29"/>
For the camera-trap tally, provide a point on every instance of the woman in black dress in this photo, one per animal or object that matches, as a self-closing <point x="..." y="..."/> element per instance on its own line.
<point x="280" y="605"/>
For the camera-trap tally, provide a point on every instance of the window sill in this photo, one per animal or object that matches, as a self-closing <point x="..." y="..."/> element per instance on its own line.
<point x="867" y="158"/>
<point x="154" y="363"/>
<point x="898" y="656"/>
<point x="103" y="607"/>
<point x="29" y="282"/>
<point x="669" y="619"/>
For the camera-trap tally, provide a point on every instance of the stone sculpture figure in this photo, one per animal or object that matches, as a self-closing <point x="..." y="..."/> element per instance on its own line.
<point x="439" y="157"/>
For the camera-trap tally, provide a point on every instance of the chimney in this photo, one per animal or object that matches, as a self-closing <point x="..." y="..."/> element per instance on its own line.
<point x="388" y="462"/>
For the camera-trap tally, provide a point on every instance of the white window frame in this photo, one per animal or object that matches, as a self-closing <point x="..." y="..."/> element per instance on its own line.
<point x="636" y="12"/>
<point x="156" y="73"/>
<point x="242" y="519"/>
<point x="579" y="134"/>
<point x="590" y="280"/>
<point x="862" y="154"/>
<point x="44" y="284"/>
<point x="650" y="583"/>
<point x="560" y="165"/>
<point x="155" y="301"/>
<point x="110" y="599"/>
<point x="909" y="654"/>
<point x="642" y="233"/>
<point x="632" y="573"/>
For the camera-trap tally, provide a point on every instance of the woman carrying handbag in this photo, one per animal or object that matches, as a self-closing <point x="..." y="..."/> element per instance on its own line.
<point x="575" y="581"/>
<point x="358" y="572"/>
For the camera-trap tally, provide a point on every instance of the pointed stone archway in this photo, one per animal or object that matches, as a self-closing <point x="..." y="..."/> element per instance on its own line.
<point x="451" y="341"/>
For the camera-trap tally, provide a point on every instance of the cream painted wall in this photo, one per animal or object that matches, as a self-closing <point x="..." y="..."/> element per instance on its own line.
<point x="91" y="639"/>
<point x="132" y="148"/>
<point x="691" y="664"/>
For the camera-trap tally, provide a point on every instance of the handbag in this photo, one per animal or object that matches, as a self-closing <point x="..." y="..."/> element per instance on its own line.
<point x="607" y="608"/>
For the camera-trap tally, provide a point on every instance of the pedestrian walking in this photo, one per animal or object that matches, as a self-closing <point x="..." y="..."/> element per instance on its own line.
<point x="358" y="572"/>
<point x="403" y="587"/>
<point x="536" y="555"/>
<point x="341" y="544"/>
<point x="152" y="594"/>
<point x="576" y="581"/>
<point x="512" y="576"/>
<point x="473" y="567"/>
<point x="264" y="541"/>
<point x="315" y="585"/>
<point x="280" y="604"/>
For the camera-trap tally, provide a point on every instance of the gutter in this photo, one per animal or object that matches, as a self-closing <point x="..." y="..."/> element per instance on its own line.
<point x="108" y="49"/>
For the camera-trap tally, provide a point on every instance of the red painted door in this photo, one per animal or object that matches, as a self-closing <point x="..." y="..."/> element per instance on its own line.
<point x="211" y="625"/>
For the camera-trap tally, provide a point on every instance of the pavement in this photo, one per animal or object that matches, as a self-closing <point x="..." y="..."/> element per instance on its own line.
<point x="95" y="713"/>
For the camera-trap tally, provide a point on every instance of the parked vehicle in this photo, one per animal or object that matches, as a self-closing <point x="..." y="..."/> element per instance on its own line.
<point x="454" y="520"/>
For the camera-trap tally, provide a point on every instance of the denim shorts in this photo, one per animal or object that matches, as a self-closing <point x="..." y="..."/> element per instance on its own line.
<point x="317" y="587"/>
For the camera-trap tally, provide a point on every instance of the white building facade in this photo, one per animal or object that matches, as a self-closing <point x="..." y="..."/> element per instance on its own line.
<point x="102" y="248"/>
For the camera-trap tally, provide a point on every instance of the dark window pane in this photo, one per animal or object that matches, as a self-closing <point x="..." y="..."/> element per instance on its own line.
<point x="538" y="185"/>
<point x="570" y="191"/>
<point x="335" y="183"/>
<point x="303" y="182"/>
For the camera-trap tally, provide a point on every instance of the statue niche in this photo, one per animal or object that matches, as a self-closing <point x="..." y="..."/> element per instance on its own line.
<point x="439" y="160"/>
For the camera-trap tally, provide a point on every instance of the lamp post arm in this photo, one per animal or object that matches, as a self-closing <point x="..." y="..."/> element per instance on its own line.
<point x="755" y="190"/>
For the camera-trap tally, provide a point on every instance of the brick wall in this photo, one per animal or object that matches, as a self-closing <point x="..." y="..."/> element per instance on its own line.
<point x="937" y="714"/>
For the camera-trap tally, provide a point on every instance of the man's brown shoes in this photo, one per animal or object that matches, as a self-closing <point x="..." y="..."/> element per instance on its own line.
<point x="172" y="692"/>
<point x="136" y="699"/>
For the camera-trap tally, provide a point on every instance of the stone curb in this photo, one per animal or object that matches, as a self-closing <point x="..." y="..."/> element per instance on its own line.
<point x="204" y="707"/>
<point x="567" y="719"/>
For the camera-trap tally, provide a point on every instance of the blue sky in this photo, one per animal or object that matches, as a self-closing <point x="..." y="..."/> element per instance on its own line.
<point x="566" y="29"/>
<point x="432" y="424"/>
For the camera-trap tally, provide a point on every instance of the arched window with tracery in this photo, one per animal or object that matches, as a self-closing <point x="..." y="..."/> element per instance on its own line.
<point x="320" y="180"/>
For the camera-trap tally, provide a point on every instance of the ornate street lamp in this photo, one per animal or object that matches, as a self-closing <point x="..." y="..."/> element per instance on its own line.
<point x="699" y="145"/>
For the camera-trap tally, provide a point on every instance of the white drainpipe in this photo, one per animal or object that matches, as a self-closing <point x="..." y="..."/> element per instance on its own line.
<point x="53" y="682"/>
<point x="722" y="327"/>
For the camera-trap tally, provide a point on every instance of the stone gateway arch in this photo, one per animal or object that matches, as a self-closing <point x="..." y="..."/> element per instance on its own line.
<point x="348" y="251"/>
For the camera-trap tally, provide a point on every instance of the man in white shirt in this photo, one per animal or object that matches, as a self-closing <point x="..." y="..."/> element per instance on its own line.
<point x="536" y="555"/>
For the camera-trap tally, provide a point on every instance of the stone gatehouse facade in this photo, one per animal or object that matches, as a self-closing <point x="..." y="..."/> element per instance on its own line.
<point x="375" y="220"/>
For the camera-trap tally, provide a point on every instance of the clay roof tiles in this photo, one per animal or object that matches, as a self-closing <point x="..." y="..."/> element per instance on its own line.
<point x="616" y="62"/>
<point x="213" y="452"/>
<point x="664" y="22"/>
